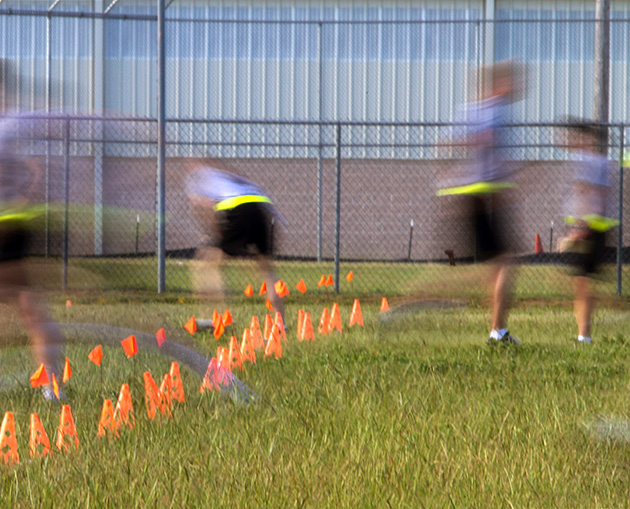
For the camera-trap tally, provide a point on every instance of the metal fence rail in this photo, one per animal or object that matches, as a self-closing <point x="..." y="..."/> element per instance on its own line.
<point x="377" y="204"/>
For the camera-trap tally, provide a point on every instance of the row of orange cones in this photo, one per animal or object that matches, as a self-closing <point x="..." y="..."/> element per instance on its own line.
<point x="111" y="420"/>
<point x="275" y="333"/>
<point x="281" y="289"/>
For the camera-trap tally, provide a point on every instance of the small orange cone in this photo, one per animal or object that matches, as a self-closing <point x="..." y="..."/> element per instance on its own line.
<point x="234" y="355"/>
<point x="307" y="328"/>
<point x="274" y="344"/>
<point x="268" y="324"/>
<point x="322" y="281"/>
<point x="538" y="248"/>
<point x="257" y="337"/>
<point x="223" y="358"/>
<point x="151" y="396"/>
<point x="227" y="318"/>
<point x="166" y="395"/>
<point x="96" y="355"/>
<point x="106" y="423"/>
<point x="356" y="317"/>
<point x="130" y="346"/>
<point x="248" y="353"/>
<point x="263" y="288"/>
<point x="123" y="414"/>
<point x="8" y="442"/>
<point x="300" y="323"/>
<point x="335" y="318"/>
<point x="323" y="322"/>
<point x="176" y="379"/>
<point x="66" y="429"/>
<point x="160" y="337"/>
<point x="301" y="286"/>
<point x="269" y="306"/>
<point x="384" y="305"/>
<point x="55" y="386"/>
<point x="280" y="323"/>
<point x="40" y="377"/>
<point x="38" y="438"/>
<point x="219" y="329"/>
<point x="249" y="291"/>
<point x="191" y="325"/>
<point x="67" y="371"/>
<point x="329" y="281"/>
<point x="349" y="276"/>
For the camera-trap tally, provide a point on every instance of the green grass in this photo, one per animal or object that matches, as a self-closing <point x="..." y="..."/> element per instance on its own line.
<point x="409" y="412"/>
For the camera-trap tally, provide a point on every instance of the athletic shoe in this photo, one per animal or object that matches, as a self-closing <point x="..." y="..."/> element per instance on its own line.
<point x="585" y="340"/>
<point x="203" y="324"/>
<point x="49" y="394"/>
<point x="507" y="338"/>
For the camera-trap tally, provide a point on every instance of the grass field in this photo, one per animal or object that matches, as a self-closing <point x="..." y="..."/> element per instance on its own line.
<point x="412" y="410"/>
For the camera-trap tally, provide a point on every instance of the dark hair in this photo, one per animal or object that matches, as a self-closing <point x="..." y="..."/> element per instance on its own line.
<point x="599" y="132"/>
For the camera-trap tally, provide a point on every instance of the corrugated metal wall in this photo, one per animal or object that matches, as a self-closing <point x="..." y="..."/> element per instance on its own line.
<point x="355" y="64"/>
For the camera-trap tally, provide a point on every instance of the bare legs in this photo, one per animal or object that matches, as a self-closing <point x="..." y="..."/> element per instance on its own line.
<point x="583" y="305"/>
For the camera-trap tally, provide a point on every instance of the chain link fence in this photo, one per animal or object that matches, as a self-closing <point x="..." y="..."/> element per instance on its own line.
<point x="358" y="197"/>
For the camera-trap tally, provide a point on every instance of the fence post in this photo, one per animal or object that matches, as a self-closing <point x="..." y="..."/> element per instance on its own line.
<point x="66" y="196"/>
<point x="338" y="208"/>
<point x="161" y="150"/>
<point x="620" y="212"/>
<point x="320" y="150"/>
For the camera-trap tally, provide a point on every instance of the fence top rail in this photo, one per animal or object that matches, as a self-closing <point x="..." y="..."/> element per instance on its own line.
<point x="322" y="123"/>
<point x="9" y="11"/>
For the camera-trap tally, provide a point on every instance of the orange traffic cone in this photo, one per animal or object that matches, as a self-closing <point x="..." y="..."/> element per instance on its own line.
<point x="324" y="322"/>
<point x="176" y="379"/>
<point x="106" y="423"/>
<point x="66" y="429"/>
<point x="538" y="249"/>
<point x="356" y="317"/>
<point x="268" y="324"/>
<point x="274" y="344"/>
<point x="307" y="328"/>
<point x="322" y="281"/>
<point x="300" y="323"/>
<point x="248" y="353"/>
<point x="8" y="442"/>
<point x="234" y="356"/>
<point x="301" y="286"/>
<point x="257" y="337"/>
<point x="263" y="288"/>
<point x="249" y="291"/>
<point x="329" y="281"/>
<point x="191" y="325"/>
<point x="335" y="318"/>
<point x="151" y="396"/>
<point x="280" y="323"/>
<point x="38" y="438"/>
<point x="123" y="414"/>
<point x="384" y="305"/>
<point x="166" y="395"/>
<point x="223" y="358"/>
<point x="219" y="329"/>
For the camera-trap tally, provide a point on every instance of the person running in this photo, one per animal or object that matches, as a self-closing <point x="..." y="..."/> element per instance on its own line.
<point x="235" y="217"/>
<point x="484" y="185"/>
<point x="588" y="219"/>
<point x="18" y="179"/>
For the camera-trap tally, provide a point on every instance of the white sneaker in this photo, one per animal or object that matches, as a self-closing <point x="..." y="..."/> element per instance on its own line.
<point x="585" y="339"/>
<point x="507" y="338"/>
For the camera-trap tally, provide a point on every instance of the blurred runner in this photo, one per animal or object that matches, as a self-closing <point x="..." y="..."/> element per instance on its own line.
<point x="485" y="179"/>
<point x="235" y="216"/>
<point x="19" y="177"/>
<point x="588" y="216"/>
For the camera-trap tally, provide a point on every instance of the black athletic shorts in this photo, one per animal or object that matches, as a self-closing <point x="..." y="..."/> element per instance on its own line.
<point x="488" y="226"/>
<point x="14" y="241"/>
<point x="588" y="258"/>
<point x="244" y="226"/>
